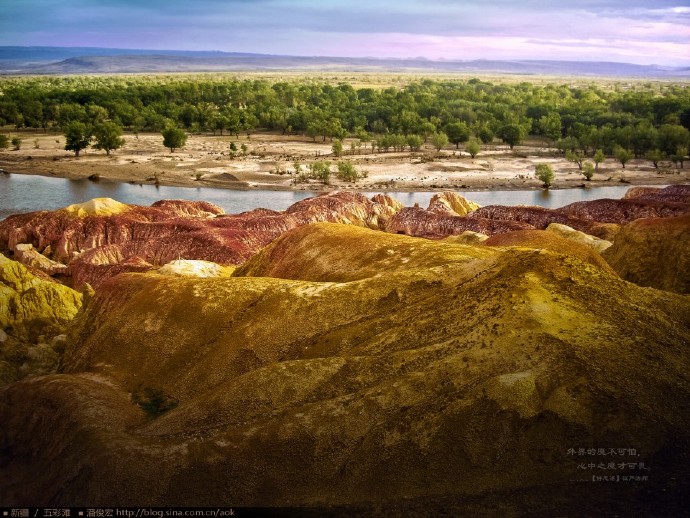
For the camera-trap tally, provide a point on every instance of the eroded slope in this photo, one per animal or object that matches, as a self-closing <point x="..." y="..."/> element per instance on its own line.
<point x="384" y="371"/>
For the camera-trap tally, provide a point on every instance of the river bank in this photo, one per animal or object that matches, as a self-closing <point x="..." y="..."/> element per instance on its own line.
<point x="269" y="164"/>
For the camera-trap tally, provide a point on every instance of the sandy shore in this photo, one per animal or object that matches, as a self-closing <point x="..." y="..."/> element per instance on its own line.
<point x="206" y="161"/>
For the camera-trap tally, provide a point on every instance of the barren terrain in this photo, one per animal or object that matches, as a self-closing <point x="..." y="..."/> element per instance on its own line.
<point x="206" y="161"/>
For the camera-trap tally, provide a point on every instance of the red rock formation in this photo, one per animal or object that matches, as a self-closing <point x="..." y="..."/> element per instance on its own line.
<point x="672" y="193"/>
<point x="535" y="217"/>
<point x="415" y="221"/>
<point x="101" y="238"/>
<point x="623" y="211"/>
<point x="134" y="238"/>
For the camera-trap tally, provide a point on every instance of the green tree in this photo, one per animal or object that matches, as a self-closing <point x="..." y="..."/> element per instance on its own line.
<point x="77" y="137"/>
<point x="96" y="113"/>
<point x="599" y="157"/>
<point x="347" y="172"/>
<point x="457" y="132"/>
<point x="426" y="129"/>
<point x="363" y="137"/>
<point x="551" y="126"/>
<point x="512" y="134"/>
<point x="655" y="156"/>
<point x="485" y="134"/>
<point x="679" y="155"/>
<point x="588" y="171"/>
<point x="672" y="136"/>
<point x="398" y="142"/>
<point x="415" y="142"/>
<point x="544" y="173"/>
<point x="622" y="155"/>
<point x="321" y="171"/>
<point x="108" y="136"/>
<point x="568" y="144"/>
<point x="643" y="138"/>
<point x="577" y="157"/>
<point x="439" y="140"/>
<point x="337" y="147"/>
<point x="472" y="148"/>
<point x="173" y="138"/>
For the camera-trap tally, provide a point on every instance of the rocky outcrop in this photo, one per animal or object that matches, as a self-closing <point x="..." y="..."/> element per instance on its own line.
<point x="672" y="193"/>
<point x="97" y="207"/>
<point x="32" y="306"/>
<point x="451" y="203"/>
<point x="654" y="252"/>
<point x="549" y="240"/>
<point x="91" y="242"/>
<point x="371" y="370"/>
<point x="535" y="217"/>
<point x="34" y="313"/>
<point x="27" y="255"/>
<point x="102" y="238"/>
<point x="622" y="211"/>
<point x="571" y="234"/>
<point x="415" y="221"/>
<point x="186" y="268"/>
<point x="450" y="214"/>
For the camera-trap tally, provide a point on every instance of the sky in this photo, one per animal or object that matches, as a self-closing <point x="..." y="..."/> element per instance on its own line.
<point x="632" y="31"/>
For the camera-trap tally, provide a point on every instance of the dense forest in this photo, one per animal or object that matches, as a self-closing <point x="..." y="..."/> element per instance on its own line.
<point x="644" y="119"/>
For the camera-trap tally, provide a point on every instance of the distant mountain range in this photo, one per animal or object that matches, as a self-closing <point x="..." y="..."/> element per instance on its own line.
<point x="92" y="60"/>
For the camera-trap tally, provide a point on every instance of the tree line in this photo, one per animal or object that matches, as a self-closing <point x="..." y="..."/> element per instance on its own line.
<point x="646" y="120"/>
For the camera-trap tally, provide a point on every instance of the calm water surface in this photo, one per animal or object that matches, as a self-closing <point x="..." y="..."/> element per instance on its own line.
<point x="26" y="193"/>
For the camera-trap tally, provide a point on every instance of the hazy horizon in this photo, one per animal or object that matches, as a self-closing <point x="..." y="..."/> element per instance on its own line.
<point x="638" y="32"/>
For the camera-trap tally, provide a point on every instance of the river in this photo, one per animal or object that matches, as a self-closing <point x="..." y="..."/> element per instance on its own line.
<point x="26" y="193"/>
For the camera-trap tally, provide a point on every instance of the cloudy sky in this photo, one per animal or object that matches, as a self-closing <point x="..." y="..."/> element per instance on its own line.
<point x="633" y="31"/>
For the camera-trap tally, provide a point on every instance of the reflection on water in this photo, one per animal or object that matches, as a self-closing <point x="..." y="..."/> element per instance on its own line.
<point x="26" y="193"/>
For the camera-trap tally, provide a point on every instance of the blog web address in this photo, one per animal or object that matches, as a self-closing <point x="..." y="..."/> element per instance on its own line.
<point x="144" y="512"/>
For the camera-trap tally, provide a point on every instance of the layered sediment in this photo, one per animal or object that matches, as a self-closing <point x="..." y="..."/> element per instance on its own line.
<point x="344" y="366"/>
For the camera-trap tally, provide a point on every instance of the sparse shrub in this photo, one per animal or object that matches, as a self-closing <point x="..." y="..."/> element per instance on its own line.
<point x="347" y="172"/>
<point x="599" y="157"/>
<point x="655" y="156"/>
<point x="544" y="173"/>
<point x="588" y="170"/>
<point x="576" y="157"/>
<point x="37" y="144"/>
<point x="16" y="143"/>
<point x="278" y="169"/>
<point x="4" y="142"/>
<point x="439" y="140"/>
<point x="154" y="401"/>
<point x="337" y="147"/>
<point x="415" y="142"/>
<point x="622" y="155"/>
<point x="320" y="171"/>
<point x="472" y="148"/>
